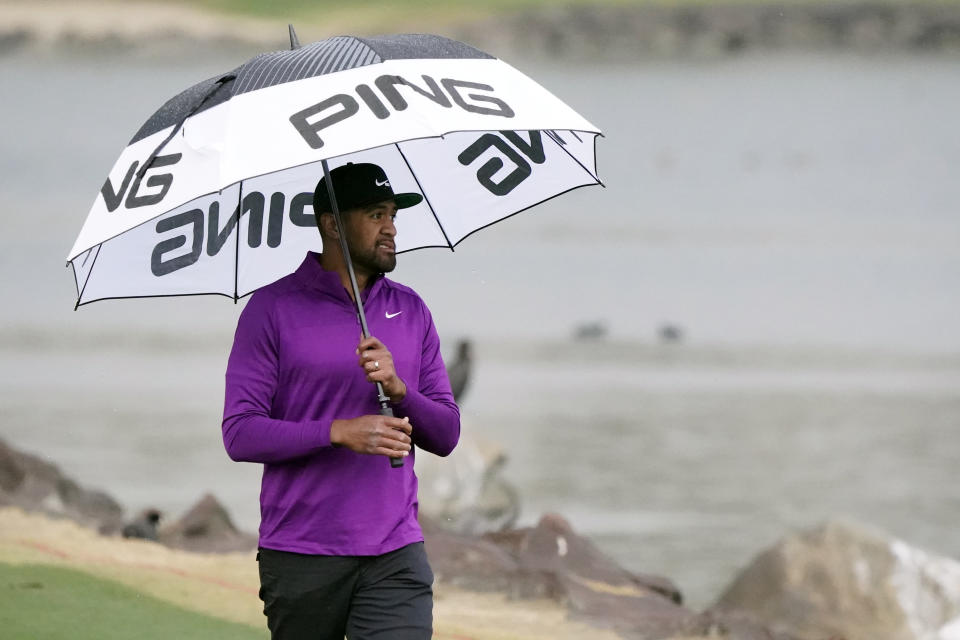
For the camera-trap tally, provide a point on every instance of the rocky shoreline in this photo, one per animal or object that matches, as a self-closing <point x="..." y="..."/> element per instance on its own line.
<point x="651" y="30"/>
<point x="838" y="580"/>
<point x="619" y="32"/>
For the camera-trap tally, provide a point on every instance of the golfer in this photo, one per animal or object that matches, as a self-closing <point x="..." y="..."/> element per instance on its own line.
<point x="341" y="551"/>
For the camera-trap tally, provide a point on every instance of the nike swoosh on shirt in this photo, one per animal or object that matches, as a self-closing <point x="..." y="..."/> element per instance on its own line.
<point x="393" y="315"/>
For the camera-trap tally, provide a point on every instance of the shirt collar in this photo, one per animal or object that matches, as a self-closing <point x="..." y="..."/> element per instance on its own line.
<point x="312" y="275"/>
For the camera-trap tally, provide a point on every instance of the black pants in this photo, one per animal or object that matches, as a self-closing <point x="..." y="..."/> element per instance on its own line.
<point x="388" y="597"/>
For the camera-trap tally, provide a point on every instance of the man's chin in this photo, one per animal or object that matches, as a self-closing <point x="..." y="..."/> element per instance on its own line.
<point x="384" y="265"/>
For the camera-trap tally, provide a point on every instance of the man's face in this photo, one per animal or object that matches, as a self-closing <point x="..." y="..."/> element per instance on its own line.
<point x="370" y="237"/>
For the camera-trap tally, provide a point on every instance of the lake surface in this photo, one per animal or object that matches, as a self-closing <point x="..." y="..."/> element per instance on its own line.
<point x="796" y="215"/>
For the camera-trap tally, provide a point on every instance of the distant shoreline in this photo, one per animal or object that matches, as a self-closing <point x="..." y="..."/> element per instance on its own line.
<point x="601" y="32"/>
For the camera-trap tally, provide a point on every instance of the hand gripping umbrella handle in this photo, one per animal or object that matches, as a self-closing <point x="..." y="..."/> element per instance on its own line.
<point x="385" y="408"/>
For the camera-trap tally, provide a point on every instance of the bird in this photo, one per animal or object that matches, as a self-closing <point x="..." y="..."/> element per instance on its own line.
<point x="596" y="330"/>
<point x="670" y="333"/>
<point x="459" y="370"/>
<point x="143" y="526"/>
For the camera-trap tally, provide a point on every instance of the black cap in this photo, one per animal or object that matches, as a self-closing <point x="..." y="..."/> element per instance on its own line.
<point x="357" y="185"/>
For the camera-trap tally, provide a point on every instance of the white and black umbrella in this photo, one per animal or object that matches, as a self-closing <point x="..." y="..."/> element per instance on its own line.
<point x="214" y="193"/>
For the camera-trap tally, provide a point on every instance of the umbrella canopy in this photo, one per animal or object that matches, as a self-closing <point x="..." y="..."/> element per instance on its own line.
<point x="213" y="195"/>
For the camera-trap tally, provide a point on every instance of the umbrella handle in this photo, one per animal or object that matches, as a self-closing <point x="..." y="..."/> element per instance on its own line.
<point x="387" y="410"/>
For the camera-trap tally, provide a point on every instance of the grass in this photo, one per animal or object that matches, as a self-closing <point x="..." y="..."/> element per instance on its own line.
<point x="54" y="603"/>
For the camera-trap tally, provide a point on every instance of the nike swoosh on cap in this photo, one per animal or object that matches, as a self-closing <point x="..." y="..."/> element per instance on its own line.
<point x="393" y="315"/>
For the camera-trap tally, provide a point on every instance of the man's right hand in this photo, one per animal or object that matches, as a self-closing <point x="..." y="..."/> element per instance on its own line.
<point x="374" y="435"/>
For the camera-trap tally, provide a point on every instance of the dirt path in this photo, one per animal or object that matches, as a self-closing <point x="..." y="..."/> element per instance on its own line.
<point x="225" y="585"/>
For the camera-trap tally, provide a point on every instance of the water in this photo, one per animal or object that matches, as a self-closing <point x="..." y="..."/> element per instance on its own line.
<point x="796" y="216"/>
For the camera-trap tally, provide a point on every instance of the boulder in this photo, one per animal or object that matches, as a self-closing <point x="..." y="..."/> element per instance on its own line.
<point x="552" y="561"/>
<point x="846" y="580"/>
<point x="89" y="506"/>
<point x="31" y="483"/>
<point x="554" y="547"/>
<point x="467" y="561"/>
<point x="12" y="474"/>
<point x="592" y="585"/>
<point x="206" y="528"/>
<point x="466" y="492"/>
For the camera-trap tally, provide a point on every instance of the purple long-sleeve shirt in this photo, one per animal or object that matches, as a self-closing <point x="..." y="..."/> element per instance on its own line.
<point x="292" y="371"/>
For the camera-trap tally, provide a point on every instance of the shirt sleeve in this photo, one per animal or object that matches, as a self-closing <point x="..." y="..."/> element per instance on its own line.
<point x="250" y="434"/>
<point x="430" y="406"/>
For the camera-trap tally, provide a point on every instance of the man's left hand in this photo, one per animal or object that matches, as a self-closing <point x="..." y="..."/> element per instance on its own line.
<point x="377" y="362"/>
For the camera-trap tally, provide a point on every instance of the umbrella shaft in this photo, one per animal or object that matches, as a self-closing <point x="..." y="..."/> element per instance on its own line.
<point x="345" y="250"/>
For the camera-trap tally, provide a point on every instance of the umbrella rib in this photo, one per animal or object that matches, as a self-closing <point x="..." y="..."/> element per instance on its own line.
<point x="573" y="157"/>
<point x="236" y="254"/>
<point x="76" y="280"/>
<point x="599" y="181"/>
<point x="212" y="90"/>
<point x="535" y="204"/>
<point x="159" y="295"/>
<point x="87" y="279"/>
<point x="425" y="198"/>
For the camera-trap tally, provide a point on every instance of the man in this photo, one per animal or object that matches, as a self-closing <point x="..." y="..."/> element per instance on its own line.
<point x="341" y="552"/>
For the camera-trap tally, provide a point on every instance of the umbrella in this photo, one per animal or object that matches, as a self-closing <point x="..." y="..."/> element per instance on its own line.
<point x="214" y="193"/>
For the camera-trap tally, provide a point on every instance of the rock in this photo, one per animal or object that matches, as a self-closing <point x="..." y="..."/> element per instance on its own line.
<point x="12" y="474"/>
<point x="554" y="546"/>
<point x="89" y="506"/>
<point x="846" y="580"/>
<point x="592" y="585"/>
<point x="28" y="482"/>
<point x="31" y="483"/>
<point x="207" y="528"/>
<point x="466" y="491"/>
<point x="734" y="626"/>
<point x="467" y="561"/>
<point x="552" y="561"/>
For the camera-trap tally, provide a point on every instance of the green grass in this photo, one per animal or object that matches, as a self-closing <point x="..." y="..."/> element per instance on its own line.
<point x="51" y="603"/>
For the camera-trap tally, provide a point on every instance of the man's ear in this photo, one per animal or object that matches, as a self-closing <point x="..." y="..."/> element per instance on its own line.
<point x="328" y="225"/>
